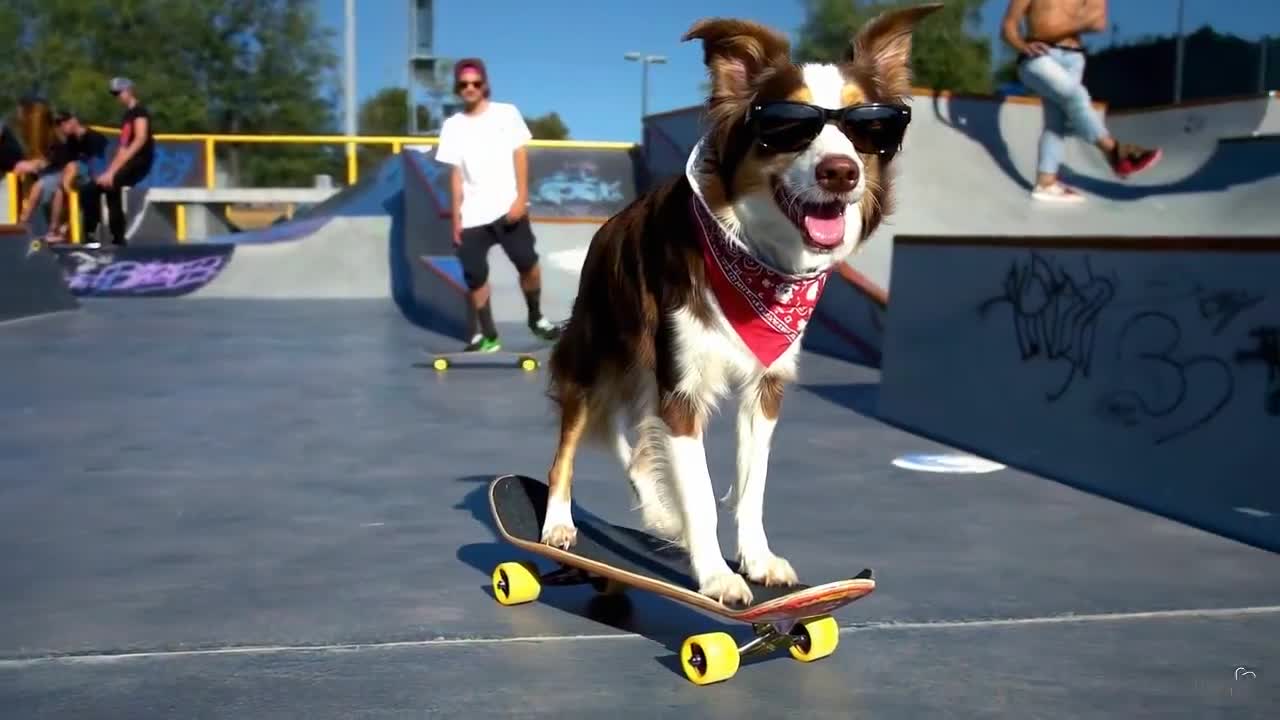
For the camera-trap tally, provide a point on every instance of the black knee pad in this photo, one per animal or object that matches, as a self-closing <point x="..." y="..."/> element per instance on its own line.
<point x="518" y="242"/>
<point x="473" y="255"/>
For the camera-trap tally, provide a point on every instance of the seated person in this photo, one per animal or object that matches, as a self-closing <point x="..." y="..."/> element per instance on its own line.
<point x="73" y="159"/>
<point x="84" y="151"/>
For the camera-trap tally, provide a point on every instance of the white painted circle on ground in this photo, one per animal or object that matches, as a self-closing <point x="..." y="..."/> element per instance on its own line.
<point x="946" y="463"/>
<point x="568" y="260"/>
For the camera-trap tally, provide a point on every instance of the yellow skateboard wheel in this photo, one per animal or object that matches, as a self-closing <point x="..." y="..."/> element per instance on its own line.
<point x="529" y="364"/>
<point x="440" y="364"/>
<point x="816" y="638"/>
<point x="515" y="583"/>
<point x="709" y="658"/>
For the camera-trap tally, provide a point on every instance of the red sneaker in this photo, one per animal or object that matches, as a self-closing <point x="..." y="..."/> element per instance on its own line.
<point x="1129" y="159"/>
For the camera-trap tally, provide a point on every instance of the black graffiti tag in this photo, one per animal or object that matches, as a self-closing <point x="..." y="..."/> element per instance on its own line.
<point x="1225" y="305"/>
<point x="1267" y="352"/>
<point x="1054" y="314"/>
<point x="1162" y="384"/>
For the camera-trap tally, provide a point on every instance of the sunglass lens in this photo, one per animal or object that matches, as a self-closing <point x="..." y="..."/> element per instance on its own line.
<point x="875" y="129"/>
<point x="787" y="127"/>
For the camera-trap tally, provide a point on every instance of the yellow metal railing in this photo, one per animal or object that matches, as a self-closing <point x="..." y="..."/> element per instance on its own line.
<point x="350" y="142"/>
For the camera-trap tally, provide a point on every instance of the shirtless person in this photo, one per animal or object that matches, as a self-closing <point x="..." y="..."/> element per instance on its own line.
<point x="1051" y="61"/>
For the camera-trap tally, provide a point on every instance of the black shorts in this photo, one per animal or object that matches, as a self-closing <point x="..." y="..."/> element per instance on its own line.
<point x="516" y="240"/>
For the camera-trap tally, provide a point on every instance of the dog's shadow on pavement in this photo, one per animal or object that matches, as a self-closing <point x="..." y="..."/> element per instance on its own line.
<point x="634" y="611"/>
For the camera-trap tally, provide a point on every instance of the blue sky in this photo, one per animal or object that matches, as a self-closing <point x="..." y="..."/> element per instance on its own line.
<point x="542" y="63"/>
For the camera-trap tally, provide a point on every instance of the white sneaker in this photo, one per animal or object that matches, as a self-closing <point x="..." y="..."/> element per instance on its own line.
<point x="1058" y="193"/>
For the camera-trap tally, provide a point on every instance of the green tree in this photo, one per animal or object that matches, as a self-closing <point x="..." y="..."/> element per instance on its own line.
<point x="948" y="49"/>
<point x="387" y="113"/>
<point x="548" y="127"/>
<point x="221" y="66"/>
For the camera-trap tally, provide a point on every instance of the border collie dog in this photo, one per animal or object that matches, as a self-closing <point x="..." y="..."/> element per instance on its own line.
<point x="702" y="287"/>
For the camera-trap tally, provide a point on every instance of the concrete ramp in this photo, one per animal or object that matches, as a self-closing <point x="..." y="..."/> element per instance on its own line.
<point x="345" y="258"/>
<point x="30" y="280"/>
<point x="1142" y="369"/>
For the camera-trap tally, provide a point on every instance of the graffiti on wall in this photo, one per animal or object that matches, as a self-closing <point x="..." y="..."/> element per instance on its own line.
<point x="1266" y="353"/>
<point x="577" y="182"/>
<point x="1167" y="343"/>
<point x="135" y="272"/>
<point x="563" y="182"/>
<point x="177" y="164"/>
<point x="1054" y="313"/>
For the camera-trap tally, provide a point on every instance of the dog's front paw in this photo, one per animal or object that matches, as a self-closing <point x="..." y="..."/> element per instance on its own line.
<point x="561" y="536"/>
<point x="769" y="569"/>
<point x="557" y="527"/>
<point x="728" y="587"/>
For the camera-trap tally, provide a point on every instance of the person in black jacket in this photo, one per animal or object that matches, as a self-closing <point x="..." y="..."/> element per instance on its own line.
<point x="82" y="154"/>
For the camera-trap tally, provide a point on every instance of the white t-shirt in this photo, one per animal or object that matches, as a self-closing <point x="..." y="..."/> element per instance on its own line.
<point x="482" y="146"/>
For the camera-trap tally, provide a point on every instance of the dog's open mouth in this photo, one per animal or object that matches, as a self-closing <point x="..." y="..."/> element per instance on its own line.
<point x="822" y="224"/>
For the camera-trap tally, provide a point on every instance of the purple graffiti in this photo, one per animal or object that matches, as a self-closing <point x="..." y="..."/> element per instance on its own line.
<point x="147" y="276"/>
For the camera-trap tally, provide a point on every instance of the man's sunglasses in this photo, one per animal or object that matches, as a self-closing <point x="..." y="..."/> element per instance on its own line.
<point x="873" y="128"/>
<point x="464" y="84"/>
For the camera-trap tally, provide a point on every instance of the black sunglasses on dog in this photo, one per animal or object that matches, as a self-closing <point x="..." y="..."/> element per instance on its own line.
<point x="786" y="126"/>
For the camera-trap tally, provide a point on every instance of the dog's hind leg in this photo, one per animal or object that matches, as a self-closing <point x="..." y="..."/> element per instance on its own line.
<point x="558" y="529"/>
<point x="647" y="472"/>
<point x="757" y="417"/>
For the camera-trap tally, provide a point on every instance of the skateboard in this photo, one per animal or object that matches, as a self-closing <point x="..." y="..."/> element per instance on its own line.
<point x="612" y="558"/>
<point x="523" y="359"/>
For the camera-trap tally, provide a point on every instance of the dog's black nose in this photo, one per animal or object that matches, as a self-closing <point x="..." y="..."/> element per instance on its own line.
<point x="837" y="173"/>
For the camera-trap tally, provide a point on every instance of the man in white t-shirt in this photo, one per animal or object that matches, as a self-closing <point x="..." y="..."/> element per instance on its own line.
<point x="486" y="145"/>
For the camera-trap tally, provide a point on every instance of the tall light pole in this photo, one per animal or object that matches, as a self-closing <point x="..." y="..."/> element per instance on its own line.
<point x="349" y="91"/>
<point x="645" y="61"/>
<point x="1181" y="54"/>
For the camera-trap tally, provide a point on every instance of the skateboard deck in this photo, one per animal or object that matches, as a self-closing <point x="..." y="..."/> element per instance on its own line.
<point x="525" y="359"/>
<point x="614" y="557"/>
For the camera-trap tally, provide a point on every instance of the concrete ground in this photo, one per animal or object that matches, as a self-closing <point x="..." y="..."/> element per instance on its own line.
<point x="246" y="509"/>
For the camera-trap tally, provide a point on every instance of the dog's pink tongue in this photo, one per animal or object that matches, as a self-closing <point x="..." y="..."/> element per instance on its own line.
<point x="825" y="231"/>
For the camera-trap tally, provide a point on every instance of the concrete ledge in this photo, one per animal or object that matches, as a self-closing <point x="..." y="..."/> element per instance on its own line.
<point x="238" y="195"/>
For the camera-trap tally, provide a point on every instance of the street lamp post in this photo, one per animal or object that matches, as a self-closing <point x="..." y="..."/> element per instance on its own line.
<point x="1181" y="54"/>
<point x="349" y="80"/>
<point x="645" y="61"/>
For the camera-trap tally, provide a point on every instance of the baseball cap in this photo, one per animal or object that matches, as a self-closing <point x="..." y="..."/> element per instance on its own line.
<point x="120" y="83"/>
<point x="63" y="115"/>
<point x="470" y="63"/>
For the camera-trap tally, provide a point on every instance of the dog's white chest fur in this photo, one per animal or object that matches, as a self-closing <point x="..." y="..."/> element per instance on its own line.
<point x="711" y="359"/>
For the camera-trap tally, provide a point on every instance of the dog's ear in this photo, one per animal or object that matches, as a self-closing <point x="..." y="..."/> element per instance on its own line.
<point x="880" y="52"/>
<point x="735" y="51"/>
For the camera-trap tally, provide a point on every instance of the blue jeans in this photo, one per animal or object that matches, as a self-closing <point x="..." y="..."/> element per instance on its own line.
<point x="1058" y="78"/>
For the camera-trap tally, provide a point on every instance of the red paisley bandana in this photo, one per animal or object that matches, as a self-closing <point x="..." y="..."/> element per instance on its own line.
<point x="768" y="309"/>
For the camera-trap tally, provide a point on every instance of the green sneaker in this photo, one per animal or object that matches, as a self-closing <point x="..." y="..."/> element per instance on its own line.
<point x="481" y="343"/>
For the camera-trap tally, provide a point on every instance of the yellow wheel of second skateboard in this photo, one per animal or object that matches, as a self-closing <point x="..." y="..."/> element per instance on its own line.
<point x="440" y="364"/>
<point x="515" y="583"/>
<point x="819" y="638"/>
<point x="529" y="364"/>
<point x="709" y="658"/>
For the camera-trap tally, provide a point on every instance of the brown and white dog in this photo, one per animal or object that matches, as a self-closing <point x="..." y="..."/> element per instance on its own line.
<point x="703" y="286"/>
